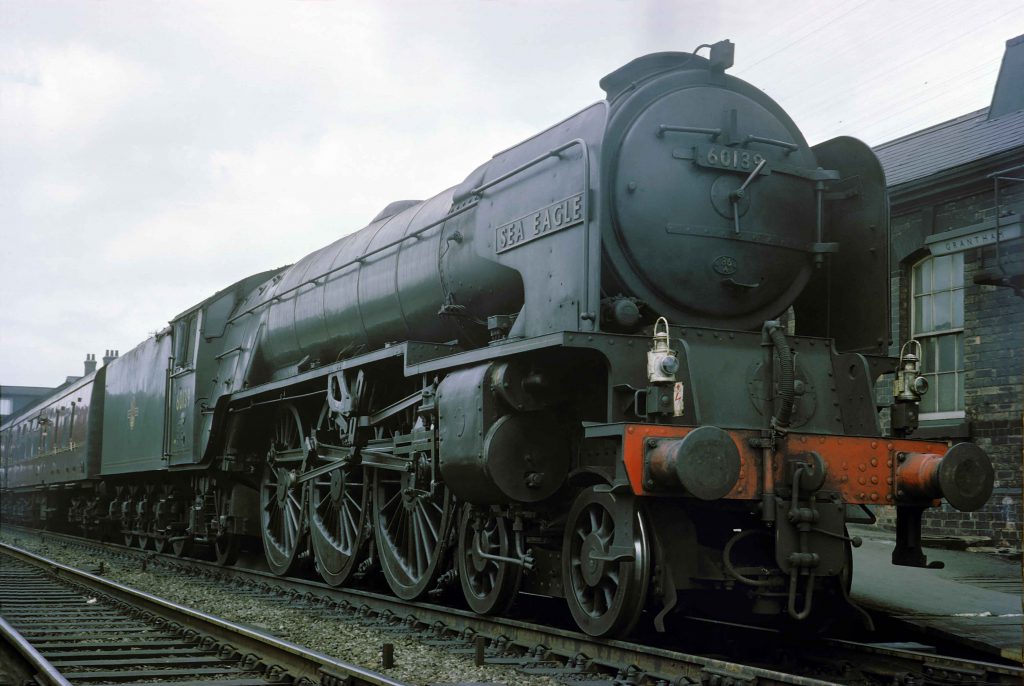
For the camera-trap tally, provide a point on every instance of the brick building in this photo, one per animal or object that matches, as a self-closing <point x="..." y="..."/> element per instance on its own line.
<point x="957" y="256"/>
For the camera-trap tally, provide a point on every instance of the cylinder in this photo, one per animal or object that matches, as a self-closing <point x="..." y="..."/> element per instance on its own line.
<point x="963" y="476"/>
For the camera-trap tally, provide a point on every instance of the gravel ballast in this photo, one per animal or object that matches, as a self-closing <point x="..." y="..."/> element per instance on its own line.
<point x="339" y="637"/>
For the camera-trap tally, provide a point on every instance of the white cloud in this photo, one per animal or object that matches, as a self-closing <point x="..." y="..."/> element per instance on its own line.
<point x="53" y="96"/>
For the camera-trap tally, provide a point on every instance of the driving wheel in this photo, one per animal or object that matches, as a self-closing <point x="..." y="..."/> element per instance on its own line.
<point x="338" y="510"/>
<point x="338" y="506"/>
<point x="411" y="520"/>
<point x="282" y="510"/>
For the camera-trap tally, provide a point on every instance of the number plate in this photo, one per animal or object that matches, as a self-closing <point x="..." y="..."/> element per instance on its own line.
<point x="735" y="159"/>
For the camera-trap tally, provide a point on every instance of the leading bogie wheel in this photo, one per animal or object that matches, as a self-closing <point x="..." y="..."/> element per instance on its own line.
<point x="488" y="584"/>
<point x="606" y="562"/>
<point x="282" y="497"/>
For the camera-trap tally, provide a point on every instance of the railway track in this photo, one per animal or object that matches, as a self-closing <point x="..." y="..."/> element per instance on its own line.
<point x="65" y="626"/>
<point x="745" y="656"/>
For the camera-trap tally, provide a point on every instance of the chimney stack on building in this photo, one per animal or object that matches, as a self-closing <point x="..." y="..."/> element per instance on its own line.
<point x="1008" y="95"/>
<point x="90" y="363"/>
<point x="109" y="357"/>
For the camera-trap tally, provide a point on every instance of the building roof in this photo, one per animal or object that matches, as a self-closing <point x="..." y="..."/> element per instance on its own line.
<point x="7" y="390"/>
<point x="953" y="143"/>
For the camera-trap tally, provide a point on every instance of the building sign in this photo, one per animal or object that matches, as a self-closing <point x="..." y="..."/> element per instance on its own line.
<point x="975" y="236"/>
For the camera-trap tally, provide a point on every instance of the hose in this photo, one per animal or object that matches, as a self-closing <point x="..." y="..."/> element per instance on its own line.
<point x="728" y="564"/>
<point x="786" y="378"/>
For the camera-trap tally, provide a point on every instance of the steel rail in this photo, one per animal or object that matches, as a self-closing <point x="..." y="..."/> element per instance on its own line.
<point x="44" y="673"/>
<point x="614" y="655"/>
<point x="298" y="661"/>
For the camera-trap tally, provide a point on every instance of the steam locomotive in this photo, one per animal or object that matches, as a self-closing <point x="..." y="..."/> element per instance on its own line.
<point x="630" y="362"/>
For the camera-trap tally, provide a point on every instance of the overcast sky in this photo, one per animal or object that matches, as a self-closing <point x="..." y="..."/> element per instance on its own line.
<point x="152" y="153"/>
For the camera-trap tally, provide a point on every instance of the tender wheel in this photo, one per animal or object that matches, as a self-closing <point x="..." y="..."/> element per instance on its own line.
<point x="94" y="519"/>
<point x="605" y="593"/>
<point x="490" y="586"/>
<point x="160" y="544"/>
<point x="225" y="541"/>
<point x="163" y="516"/>
<point x="127" y="518"/>
<point x="143" y="519"/>
<point x="410" y="522"/>
<point x="282" y="506"/>
<point x="181" y="543"/>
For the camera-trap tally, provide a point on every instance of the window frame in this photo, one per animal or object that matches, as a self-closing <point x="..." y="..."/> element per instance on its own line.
<point x="925" y="338"/>
<point x="185" y="341"/>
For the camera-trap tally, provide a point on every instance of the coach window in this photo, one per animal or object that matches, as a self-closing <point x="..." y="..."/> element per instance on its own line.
<point x="44" y="434"/>
<point x="59" y="422"/>
<point x="938" y="323"/>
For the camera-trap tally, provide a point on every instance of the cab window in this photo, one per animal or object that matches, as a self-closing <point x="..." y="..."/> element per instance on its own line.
<point x="185" y="341"/>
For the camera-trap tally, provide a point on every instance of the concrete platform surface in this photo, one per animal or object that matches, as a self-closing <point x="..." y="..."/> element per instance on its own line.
<point x="976" y="598"/>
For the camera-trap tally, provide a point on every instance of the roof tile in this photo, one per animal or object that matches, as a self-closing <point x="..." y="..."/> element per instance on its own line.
<point x="953" y="143"/>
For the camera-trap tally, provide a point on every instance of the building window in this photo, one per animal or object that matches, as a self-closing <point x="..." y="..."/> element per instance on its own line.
<point x="938" y="323"/>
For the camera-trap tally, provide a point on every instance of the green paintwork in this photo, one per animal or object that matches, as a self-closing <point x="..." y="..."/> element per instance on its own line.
<point x="134" y="406"/>
<point x="55" y="442"/>
<point x="224" y="353"/>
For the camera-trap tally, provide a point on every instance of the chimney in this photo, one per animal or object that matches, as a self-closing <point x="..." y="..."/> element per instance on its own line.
<point x="1008" y="95"/>
<point x="109" y="357"/>
<point x="90" y="363"/>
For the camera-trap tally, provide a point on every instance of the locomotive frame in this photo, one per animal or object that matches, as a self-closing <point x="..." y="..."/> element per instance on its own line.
<point x="484" y="390"/>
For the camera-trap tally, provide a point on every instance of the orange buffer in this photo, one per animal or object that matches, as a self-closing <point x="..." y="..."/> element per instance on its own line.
<point x="865" y="470"/>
